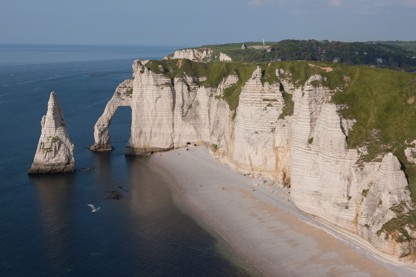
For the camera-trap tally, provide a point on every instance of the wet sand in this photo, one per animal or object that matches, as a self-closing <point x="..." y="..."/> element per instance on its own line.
<point x="261" y="225"/>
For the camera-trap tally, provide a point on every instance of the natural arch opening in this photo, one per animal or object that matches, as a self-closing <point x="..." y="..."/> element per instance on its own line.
<point x="121" y="98"/>
<point x="120" y="128"/>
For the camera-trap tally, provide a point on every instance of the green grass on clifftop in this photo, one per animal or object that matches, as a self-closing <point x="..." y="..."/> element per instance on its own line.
<point x="383" y="103"/>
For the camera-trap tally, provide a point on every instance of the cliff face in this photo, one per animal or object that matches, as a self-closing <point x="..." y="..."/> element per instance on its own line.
<point x="196" y="54"/>
<point x="55" y="152"/>
<point x="305" y="149"/>
<point x="199" y="55"/>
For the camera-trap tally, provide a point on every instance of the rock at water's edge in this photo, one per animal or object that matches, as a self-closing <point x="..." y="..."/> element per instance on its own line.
<point x="121" y="97"/>
<point x="55" y="151"/>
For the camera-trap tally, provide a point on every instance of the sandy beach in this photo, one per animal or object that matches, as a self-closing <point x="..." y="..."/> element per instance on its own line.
<point x="258" y="222"/>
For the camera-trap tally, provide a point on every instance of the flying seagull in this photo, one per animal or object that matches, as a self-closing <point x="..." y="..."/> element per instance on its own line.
<point x="94" y="209"/>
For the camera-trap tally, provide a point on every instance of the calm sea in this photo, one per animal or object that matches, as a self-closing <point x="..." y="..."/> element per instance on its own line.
<point x="46" y="227"/>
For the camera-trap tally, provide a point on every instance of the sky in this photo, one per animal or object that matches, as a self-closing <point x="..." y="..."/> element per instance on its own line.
<point x="201" y="22"/>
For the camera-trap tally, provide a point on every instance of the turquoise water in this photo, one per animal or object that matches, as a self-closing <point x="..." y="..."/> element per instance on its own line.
<point x="47" y="229"/>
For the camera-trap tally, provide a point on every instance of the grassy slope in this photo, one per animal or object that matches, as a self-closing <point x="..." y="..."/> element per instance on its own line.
<point x="381" y="103"/>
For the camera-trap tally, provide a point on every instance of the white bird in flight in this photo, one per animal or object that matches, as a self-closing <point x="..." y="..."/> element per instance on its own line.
<point x="94" y="209"/>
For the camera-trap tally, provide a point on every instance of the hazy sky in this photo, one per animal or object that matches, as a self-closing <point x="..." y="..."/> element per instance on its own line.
<point x="198" y="22"/>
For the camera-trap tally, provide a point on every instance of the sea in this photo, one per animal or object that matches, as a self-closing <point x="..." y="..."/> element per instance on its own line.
<point x="46" y="226"/>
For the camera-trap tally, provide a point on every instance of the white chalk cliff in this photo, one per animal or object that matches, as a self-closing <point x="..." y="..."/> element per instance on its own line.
<point x="55" y="152"/>
<point x="306" y="150"/>
<point x="225" y="58"/>
<point x="193" y="54"/>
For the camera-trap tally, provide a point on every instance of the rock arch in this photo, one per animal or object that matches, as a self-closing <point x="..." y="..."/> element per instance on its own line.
<point x="121" y="97"/>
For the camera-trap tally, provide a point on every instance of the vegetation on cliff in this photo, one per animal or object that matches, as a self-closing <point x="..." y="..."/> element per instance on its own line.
<point x="383" y="104"/>
<point x="207" y="74"/>
<point x="382" y="101"/>
<point x="213" y="73"/>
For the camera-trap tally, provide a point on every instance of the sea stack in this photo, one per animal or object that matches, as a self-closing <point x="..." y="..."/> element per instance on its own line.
<point x="55" y="151"/>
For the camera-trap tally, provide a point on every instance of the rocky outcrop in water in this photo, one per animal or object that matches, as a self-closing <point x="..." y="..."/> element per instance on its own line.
<point x="121" y="97"/>
<point x="305" y="148"/>
<point x="55" y="152"/>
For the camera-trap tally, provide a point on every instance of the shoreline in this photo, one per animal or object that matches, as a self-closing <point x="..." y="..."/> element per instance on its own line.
<point x="260" y="224"/>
